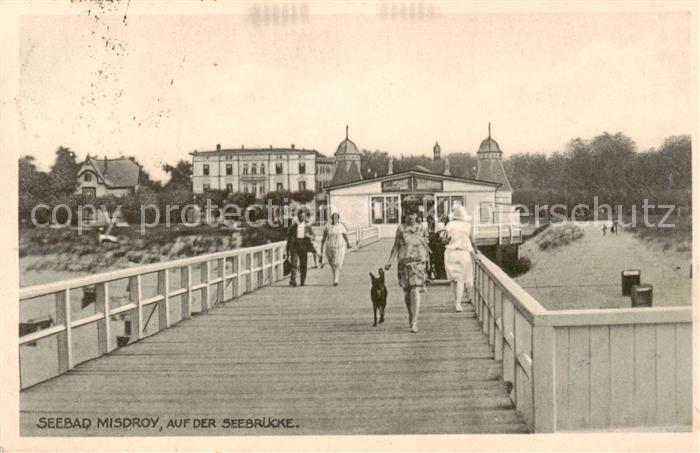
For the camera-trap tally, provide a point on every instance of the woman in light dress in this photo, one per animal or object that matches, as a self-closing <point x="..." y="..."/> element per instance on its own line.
<point x="335" y="240"/>
<point x="459" y="253"/>
<point x="411" y="248"/>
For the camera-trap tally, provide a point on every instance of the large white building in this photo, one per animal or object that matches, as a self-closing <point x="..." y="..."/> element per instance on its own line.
<point x="381" y="201"/>
<point x="257" y="170"/>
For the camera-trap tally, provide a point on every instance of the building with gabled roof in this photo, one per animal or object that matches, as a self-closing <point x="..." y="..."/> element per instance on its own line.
<point x="100" y="177"/>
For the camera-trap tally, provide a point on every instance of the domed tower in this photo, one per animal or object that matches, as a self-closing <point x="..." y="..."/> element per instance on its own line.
<point x="348" y="162"/>
<point x="436" y="151"/>
<point x="490" y="167"/>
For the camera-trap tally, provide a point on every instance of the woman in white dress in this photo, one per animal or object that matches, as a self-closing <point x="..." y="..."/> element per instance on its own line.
<point x="335" y="240"/>
<point x="458" y="255"/>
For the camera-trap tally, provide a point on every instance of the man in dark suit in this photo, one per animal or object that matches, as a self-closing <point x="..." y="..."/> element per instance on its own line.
<point x="299" y="236"/>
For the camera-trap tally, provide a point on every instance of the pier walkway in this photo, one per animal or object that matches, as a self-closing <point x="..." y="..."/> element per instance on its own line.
<point x="309" y="354"/>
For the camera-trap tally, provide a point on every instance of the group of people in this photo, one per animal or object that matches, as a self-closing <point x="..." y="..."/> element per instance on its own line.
<point x="300" y="239"/>
<point x="411" y="250"/>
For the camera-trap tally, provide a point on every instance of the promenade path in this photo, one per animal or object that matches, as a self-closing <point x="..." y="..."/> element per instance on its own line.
<point x="309" y="354"/>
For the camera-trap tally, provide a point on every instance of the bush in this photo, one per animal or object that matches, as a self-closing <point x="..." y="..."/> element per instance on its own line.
<point x="559" y="236"/>
<point x="517" y="267"/>
<point x="303" y="196"/>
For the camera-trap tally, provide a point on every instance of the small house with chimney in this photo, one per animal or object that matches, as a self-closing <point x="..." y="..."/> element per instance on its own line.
<point x="103" y="177"/>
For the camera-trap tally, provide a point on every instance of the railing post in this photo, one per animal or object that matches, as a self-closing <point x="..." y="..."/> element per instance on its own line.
<point x="498" y="340"/>
<point x="135" y="297"/>
<point x="104" y="336"/>
<point x="204" y="273"/>
<point x="480" y="280"/>
<point x="164" y="305"/>
<point x="186" y="299"/>
<point x="485" y="308"/>
<point x="64" y="346"/>
<point x="543" y="388"/>
<point x="237" y="286"/>
<point x="280" y="262"/>
<point x="492" y="317"/>
<point x="221" y="285"/>
<point x="270" y="258"/>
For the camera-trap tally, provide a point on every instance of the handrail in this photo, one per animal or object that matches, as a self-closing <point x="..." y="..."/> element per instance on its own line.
<point x="252" y="267"/>
<point x="88" y="280"/>
<point x="527" y="305"/>
<point x="525" y="336"/>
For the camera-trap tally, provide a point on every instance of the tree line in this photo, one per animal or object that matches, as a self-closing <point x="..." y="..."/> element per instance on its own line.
<point x="58" y="186"/>
<point x="608" y="166"/>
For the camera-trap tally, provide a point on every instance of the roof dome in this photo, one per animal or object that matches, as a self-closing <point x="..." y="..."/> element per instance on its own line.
<point x="489" y="145"/>
<point x="347" y="147"/>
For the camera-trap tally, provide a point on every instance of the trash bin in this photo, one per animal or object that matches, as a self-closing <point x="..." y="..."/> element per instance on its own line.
<point x="89" y="296"/>
<point x="630" y="278"/>
<point x="122" y="341"/>
<point x="642" y="295"/>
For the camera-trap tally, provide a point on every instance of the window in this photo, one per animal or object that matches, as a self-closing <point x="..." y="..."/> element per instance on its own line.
<point x="206" y="187"/>
<point x="229" y="169"/>
<point x="278" y="169"/>
<point x="377" y="209"/>
<point x="446" y="204"/>
<point x="254" y="169"/>
<point x="485" y="212"/>
<point x="280" y="187"/>
<point x="261" y="189"/>
<point x="302" y="168"/>
<point x="302" y="185"/>
<point x="229" y="187"/>
<point x="385" y="209"/>
<point x="89" y="191"/>
<point x="205" y="169"/>
<point x="245" y="169"/>
<point x="245" y="188"/>
<point x="262" y="169"/>
<point x="88" y="177"/>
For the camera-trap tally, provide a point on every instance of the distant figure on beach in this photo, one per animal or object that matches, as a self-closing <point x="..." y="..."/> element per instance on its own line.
<point x="605" y="229"/>
<point x="615" y="227"/>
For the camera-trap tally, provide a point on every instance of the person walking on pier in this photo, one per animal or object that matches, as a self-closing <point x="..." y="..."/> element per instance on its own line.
<point x="412" y="251"/>
<point x="458" y="255"/>
<point x="297" y="247"/>
<point x="335" y="240"/>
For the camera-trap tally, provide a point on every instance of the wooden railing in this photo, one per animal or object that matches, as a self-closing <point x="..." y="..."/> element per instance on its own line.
<point x="587" y="369"/>
<point x="361" y="236"/>
<point x="251" y="268"/>
<point x="498" y="233"/>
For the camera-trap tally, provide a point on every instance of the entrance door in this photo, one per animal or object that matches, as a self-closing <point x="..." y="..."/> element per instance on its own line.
<point x="422" y="203"/>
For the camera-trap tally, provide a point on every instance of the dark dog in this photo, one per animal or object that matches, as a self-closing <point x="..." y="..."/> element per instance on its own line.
<point x="378" y="294"/>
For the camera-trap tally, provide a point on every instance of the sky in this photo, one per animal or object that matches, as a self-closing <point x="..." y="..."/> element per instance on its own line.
<point x="158" y="86"/>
